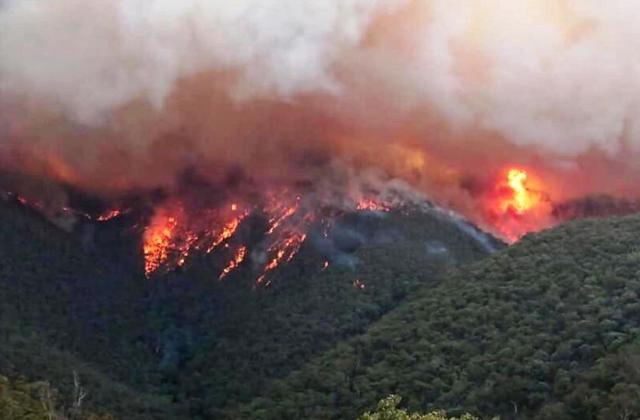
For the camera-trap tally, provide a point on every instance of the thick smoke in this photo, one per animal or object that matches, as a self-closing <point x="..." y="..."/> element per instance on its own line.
<point x="94" y="58"/>
<point x="118" y="95"/>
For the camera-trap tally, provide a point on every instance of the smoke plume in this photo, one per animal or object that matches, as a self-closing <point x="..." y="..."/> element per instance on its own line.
<point x="114" y="96"/>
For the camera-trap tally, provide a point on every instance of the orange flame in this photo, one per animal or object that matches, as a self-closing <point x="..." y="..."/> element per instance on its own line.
<point x="238" y="258"/>
<point x="158" y="237"/>
<point x="172" y="234"/>
<point x="368" y="204"/>
<point x="111" y="214"/>
<point x="282" y="251"/>
<point x="522" y="199"/>
<point x="227" y="231"/>
<point x="518" y="207"/>
<point x="276" y="221"/>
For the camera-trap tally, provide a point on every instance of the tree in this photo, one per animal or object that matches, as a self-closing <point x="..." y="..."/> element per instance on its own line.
<point x="388" y="410"/>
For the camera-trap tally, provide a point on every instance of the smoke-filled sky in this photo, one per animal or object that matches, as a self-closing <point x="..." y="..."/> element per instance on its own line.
<point x="111" y="95"/>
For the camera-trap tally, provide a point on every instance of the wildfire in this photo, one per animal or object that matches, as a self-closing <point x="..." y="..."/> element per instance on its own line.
<point x="108" y="215"/>
<point x="238" y="258"/>
<point x="158" y="237"/>
<point x="282" y="251"/>
<point x="176" y="230"/>
<point x="280" y="214"/>
<point x="172" y="234"/>
<point x="518" y="207"/>
<point x="226" y="232"/>
<point x="368" y="204"/>
<point x="521" y="198"/>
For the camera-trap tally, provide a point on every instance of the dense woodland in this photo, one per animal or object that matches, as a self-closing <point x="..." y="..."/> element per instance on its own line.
<point x="547" y="328"/>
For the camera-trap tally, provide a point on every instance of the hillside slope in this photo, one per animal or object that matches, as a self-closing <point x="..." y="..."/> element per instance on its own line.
<point x="61" y="311"/>
<point x="185" y="345"/>
<point x="546" y="329"/>
<point x="225" y="342"/>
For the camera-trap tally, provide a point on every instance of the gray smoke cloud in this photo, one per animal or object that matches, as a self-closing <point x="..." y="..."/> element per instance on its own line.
<point x="562" y="75"/>
<point x="443" y="94"/>
<point x="92" y="57"/>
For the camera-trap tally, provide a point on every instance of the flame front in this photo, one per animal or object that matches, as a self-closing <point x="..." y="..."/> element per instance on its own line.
<point x="522" y="199"/>
<point x="157" y="241"/>
<point x="173" y="233"/>
<point x="109" y="215"/>
<point x="177" y="229"/>
<point x="238" y="258"/>
<point x="369" y="204"/>
<point x="282" y="251"/>
<point x="518" y="205"/>
<point x="227" y="231"/>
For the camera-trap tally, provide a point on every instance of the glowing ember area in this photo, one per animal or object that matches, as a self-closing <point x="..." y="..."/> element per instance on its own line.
<point x="172" y="234"/>
<point x="518" y="205"/>
<point x="279" y="211"/>
<point x="108" y="215"/>
<point x="158" y="239"/>
<point x="227" y="231"/>
<point x="282" y="251"/>
<point x="368" y="204"/>
<point x="238" y="258"/>
<point x="522" y="199"/>
<point x="400" y="99"/>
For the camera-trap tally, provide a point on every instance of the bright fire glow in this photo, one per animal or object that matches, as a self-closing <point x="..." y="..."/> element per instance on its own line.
<point x="282" y="251"/>
<point x="522" y="199"/>
<point x="111" y="214"/>
<point x="172" y="234"/>
<point x="518" y="205"/>
<point x="238" y="258"/>
<point x="368" y="204"/>
<point x="176" y="230"/>
<point x="226" y="232"/>
<point x="158" y="238"/>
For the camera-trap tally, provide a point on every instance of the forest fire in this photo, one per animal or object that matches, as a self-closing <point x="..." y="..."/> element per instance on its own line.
<point x="367" y="204"/>
<point x="516" y="207"/>
<point x="173" y="233"/>
<point x="438" y="95"/>
<point x="158" y="239"/>
<point x="109" y="215"/>
<point x="178" y="228"/>
<point x="238" y="258"/>
<point x="282" y="251"/>
<point x="522" y="199"/>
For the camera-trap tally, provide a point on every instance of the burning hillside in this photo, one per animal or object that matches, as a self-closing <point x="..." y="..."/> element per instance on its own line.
<point x="180" y="226"/>
<point x="288" y="108"/>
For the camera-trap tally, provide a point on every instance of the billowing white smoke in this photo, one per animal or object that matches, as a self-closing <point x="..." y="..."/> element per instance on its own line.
<point x="479" y="84"/>
<point x="560" y="74"/>
<point x="91" y="57"/>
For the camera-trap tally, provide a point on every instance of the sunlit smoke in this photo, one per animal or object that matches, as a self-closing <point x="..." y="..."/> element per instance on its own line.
<point x="117" y="97"/>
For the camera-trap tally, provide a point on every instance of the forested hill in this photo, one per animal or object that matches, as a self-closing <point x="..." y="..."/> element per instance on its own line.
<point x="547" y="329"/>
<point x="61" y="311"/>
<point x="185" y="345"/>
